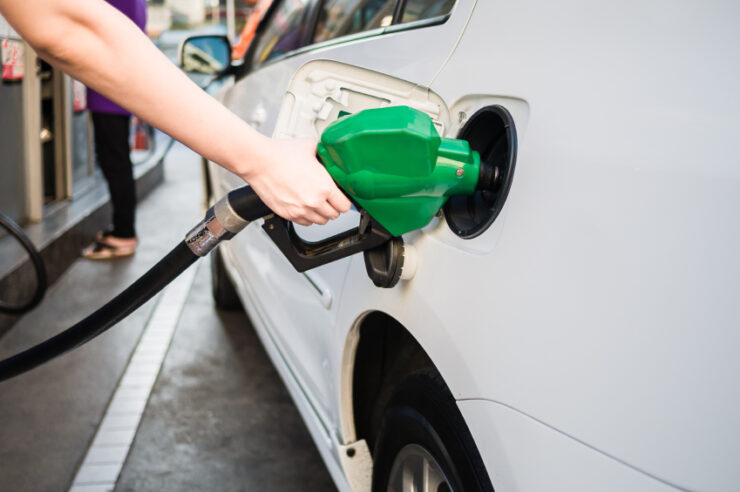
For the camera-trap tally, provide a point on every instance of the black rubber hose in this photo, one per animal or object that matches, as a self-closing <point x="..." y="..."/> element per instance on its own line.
<point x="149" y="284"/>
<point x="247" y="204"/>
<point x="38" y="265"/>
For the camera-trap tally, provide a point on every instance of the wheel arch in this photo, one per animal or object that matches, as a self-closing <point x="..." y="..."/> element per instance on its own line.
<point x="379" y="351"/>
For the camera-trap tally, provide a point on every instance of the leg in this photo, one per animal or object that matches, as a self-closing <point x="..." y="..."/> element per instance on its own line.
<point x="113" y="152"/>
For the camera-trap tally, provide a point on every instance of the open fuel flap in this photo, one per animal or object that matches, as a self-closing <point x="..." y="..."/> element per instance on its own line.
<point x="322" y="91"/>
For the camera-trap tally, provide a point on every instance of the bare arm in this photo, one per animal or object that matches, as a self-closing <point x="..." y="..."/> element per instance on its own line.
<point x="96" y="44"/>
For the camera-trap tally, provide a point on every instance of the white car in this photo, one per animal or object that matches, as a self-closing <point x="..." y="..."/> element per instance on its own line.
<point x="581" y="332"/>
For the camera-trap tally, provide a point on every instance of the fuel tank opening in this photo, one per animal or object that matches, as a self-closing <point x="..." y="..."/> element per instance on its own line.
<point x="492" y="133"/>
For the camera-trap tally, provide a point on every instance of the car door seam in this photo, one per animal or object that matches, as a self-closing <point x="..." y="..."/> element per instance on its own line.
<point x="454" y="47"/>
<point x="580" y="441"/>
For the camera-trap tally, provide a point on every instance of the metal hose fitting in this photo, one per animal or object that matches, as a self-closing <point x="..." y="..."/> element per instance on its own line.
<point x="220" y="223"/>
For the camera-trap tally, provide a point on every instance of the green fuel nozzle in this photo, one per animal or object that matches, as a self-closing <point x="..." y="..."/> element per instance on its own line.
<point x="394" y="165"/>
<point x="398" y="171"/>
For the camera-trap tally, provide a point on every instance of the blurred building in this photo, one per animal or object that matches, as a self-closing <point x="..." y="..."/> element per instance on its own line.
<point x="195" y="14"/>
<point x="44" y="133"/>
<point x="188" y="12"/>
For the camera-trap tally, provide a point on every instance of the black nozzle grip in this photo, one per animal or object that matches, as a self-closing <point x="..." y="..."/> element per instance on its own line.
<point x="303" y="255"/>
<point x="247" y="205"/>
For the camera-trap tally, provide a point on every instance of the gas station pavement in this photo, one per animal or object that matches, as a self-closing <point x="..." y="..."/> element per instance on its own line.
<point x="218" y="416"/>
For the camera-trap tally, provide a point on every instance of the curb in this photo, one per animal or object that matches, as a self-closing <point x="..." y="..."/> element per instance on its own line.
<point x="62" y="234"/>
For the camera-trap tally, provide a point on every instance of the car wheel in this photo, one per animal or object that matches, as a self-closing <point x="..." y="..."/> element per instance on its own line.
<point x="423" y="443"/>
<point x="224" y="293"/>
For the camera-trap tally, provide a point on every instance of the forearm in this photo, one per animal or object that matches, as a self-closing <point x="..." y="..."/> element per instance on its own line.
<point x="99" y="46"/>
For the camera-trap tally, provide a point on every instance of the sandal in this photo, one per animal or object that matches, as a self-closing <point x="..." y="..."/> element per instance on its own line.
<point x="104" y="249"/>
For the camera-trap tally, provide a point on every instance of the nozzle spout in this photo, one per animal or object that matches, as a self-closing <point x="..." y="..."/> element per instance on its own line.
<point x="489" y="177"/>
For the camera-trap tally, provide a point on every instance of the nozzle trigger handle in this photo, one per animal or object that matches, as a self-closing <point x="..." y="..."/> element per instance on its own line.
<point x="305" y="255"/>
<point x="241" y="206"/>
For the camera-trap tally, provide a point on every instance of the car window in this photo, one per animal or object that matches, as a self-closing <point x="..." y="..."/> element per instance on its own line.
<point x="285" y="31"/>
<point x="341" y="17"/>
<point x="425" y="9"/>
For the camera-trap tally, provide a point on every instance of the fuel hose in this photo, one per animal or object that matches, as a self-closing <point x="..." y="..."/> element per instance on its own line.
<point x="38" y="265"/>
<point x="222" y="221"/>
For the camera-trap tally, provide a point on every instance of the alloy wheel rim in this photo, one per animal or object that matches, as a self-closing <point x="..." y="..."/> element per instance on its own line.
<point x="416" y="470"/>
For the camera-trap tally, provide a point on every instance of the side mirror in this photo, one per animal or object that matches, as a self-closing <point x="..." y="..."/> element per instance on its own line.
<point x="207" y="54"/>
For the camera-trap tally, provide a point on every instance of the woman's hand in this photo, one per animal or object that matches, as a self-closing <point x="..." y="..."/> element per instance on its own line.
<point x="294" y="184"/>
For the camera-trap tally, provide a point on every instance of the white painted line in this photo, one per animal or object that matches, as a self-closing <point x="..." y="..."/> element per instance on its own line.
<point x="110" y="446"/>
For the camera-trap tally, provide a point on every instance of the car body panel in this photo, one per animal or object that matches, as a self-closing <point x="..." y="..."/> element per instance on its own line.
<point x="598" y="315"/>
<point x="526" y="455"/>
<point x="609" y="307"/>
<point x="325" y="441"/>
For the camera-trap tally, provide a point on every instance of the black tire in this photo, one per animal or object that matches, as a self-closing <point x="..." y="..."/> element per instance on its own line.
<point x="423" y="412"/>
<point x="224" y="293"/>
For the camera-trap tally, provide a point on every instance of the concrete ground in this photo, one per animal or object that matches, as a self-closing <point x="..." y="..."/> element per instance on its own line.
<point x="219" y="417"/>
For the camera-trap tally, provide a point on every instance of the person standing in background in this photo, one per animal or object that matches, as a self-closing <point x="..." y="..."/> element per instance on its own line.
<point x="111" y="125"/>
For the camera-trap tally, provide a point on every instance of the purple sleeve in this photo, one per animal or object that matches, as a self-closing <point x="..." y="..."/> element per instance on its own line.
<point x="136" y="11"/>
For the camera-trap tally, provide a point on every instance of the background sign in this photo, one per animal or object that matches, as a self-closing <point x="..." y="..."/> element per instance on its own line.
<point x="79" y="96"/>
<point x="12" y="59"/>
